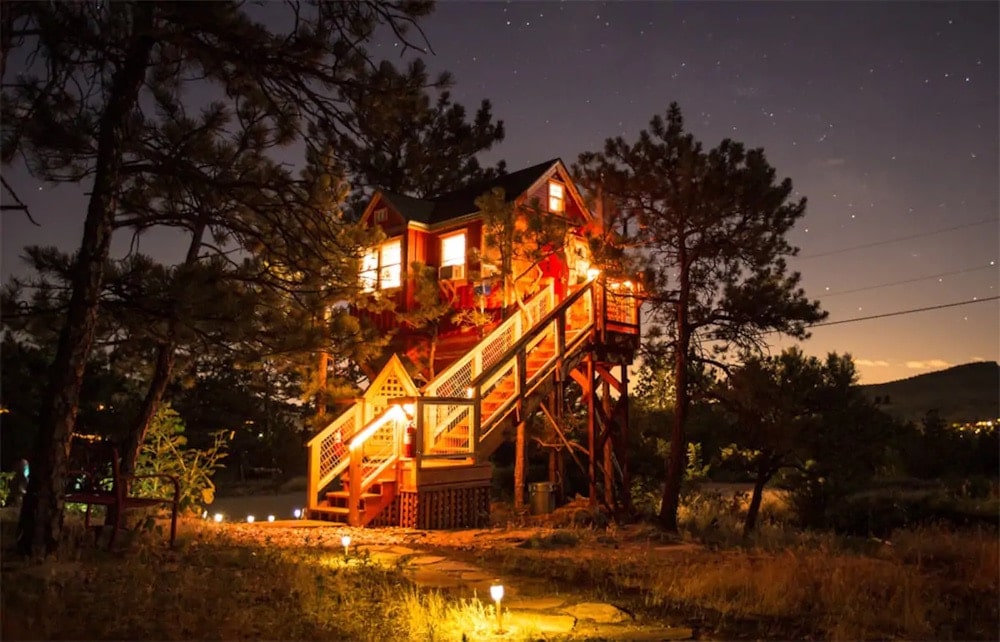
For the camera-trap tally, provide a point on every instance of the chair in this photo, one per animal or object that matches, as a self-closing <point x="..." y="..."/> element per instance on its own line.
<point x="96" y="480"/>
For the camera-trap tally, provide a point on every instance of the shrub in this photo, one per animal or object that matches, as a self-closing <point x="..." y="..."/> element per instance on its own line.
<point x="165" y="451"/>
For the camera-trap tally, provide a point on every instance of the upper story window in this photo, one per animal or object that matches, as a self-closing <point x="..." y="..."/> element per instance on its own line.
<point x="381" y="215"/>
<point x="382" y="267"/>
<point x="557" y="197"/>
<point x="453" y="256"/>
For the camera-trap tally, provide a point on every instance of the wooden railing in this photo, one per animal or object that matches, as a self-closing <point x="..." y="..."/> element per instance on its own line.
<point x="464" y="404"/>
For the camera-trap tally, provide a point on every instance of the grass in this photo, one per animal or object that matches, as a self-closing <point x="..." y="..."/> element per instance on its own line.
<point x="926" y="583"/>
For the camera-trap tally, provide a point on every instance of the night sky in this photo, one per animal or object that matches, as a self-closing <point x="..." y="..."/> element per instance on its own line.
<point x="884" y="115"/>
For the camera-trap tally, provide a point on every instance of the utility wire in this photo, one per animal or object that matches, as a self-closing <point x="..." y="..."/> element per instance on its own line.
<point x="902" y="312"/>
<point x="898" y="240"/>
<point x="913" y="280"/>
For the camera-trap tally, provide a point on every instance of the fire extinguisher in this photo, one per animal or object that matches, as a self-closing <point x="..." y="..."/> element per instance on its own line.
<point x="410" y="441"/>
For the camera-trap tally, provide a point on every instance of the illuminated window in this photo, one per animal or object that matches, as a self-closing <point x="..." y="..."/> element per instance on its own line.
<point x="557" y="202"/>
<point x="453" y="249"/>
<point x="369" y="271"/>
<point x="453" y="256"/>
<point x="382" y="267"/>
<point x="390" y="270"/>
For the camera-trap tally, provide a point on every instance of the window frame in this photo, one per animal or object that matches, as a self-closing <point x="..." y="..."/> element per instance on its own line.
<point x="557" y="203"/>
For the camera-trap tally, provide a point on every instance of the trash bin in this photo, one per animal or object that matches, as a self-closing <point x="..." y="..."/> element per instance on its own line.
<point x="543" y="497"/>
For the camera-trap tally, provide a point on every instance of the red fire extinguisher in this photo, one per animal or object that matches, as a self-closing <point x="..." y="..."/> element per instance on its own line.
<point x="410" y="441"/>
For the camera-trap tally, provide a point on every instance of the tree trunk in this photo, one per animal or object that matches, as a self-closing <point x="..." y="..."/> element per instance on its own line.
<point x="40" y="526"/>
<point x="678" y="442"/>
<point x="166" y="358"/>
<point x="754" y="509"/>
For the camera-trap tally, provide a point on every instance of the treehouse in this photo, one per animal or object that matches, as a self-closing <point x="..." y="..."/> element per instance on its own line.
<point x="518" y="312"/>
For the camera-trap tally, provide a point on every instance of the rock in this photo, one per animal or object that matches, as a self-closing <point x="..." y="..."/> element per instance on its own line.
<point x="598" y="612"/>
<point x="540" y="622"/>
<point x="536" y="603"/>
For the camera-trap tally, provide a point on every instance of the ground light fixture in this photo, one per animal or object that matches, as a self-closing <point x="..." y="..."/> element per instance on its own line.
<point x="217" y="518"/>
<point x="270" y="518"/>
<point x="345" y="541"/>
<point x="496" y="592"/>
<point x="250" y="519"/>
<point x="297" y="513"/>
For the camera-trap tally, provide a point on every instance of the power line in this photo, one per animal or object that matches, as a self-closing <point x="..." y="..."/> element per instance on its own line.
<point x="913" y="280"/>
<point x="898" y="240"/>
<point x="902" y="312"/>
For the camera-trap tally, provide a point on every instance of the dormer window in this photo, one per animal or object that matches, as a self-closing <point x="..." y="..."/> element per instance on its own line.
<point x="381" y="267"/>
<point x="453" y="256"/>
<point x="557" y="197"/>
<point x="381" y="215"/>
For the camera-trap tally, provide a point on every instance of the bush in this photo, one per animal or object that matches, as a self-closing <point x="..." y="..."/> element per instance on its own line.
<point x="165" y="451"/>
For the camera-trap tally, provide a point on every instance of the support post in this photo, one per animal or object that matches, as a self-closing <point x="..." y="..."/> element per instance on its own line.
<point x="354" y="488"/>
<point x="588" y="393"/>
<point x="608" y="445"/>
<point x="519" y="459"/>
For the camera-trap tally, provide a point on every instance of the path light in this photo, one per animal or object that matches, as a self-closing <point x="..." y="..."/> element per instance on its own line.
<point x="204" y="514"/>
<point x="270" y="518"/>
<point x="496" y="592"/>
<point x="217" y="518"/>
<point x="345" y="541"/>
<point x="298" y="513"/>
<point x="250" y="519"/>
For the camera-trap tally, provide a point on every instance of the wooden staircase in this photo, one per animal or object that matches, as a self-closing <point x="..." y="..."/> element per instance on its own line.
<point x="450" y="428"/>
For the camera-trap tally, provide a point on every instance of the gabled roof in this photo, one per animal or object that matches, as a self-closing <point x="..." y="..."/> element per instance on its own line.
<point x="461" y="202"/>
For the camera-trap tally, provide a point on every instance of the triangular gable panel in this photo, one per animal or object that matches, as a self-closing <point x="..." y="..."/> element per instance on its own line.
<point x="381" y="213"/>
<point x="392" y="382"/>
<point x="559" y="172"/>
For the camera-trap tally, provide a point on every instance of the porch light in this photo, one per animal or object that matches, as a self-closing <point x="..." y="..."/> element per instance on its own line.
<point x="394" y="413"/>
<point x="471" y="392"/>
<point x="496" y="592"/>
<point x="217" y="518"/>
<point x="345" y="541"/>
<point x="593" y="273"/>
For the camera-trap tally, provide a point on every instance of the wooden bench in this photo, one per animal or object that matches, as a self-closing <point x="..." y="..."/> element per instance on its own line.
<point x="95" y="479"/>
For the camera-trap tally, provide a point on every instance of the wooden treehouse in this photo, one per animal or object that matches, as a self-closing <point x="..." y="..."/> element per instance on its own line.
<point x="417" y="455"/>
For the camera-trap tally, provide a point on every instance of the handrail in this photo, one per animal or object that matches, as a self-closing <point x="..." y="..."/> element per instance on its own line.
<point x="328" y="454"/>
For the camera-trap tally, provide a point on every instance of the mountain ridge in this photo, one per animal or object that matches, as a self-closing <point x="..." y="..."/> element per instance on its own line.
<point x="963" y="393"/>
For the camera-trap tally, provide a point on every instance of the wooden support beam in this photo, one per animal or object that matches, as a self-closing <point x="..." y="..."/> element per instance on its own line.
<point x="623" y="442"/>
<point x="608" y="378"/>
<point x="519" y="460"/>
<point x="569" y="447"/>
<point x="609" y="470"/>
<point x="588" y="392"/>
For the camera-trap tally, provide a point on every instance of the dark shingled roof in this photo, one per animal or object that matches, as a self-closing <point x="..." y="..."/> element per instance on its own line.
<point x="460" y="202"/>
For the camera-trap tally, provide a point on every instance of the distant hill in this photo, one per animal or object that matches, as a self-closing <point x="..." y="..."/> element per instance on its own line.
<point x="968" y="392"/>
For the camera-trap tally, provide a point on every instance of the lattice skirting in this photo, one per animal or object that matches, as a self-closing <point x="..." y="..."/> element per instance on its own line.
<point x="438" y="508"/>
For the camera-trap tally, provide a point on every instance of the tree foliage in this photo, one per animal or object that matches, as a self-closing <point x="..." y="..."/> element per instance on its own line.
<point x="710" y="225"/>
<point x="98" y="96"/>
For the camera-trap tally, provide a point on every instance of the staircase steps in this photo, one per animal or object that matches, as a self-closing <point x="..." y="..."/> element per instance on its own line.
<point x="337" y="505"/>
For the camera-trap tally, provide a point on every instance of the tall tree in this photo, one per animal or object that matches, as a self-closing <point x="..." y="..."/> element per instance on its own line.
<point x="404" y="138"/>
<point x="711" y="226"/>
<point x="79" y="108"/>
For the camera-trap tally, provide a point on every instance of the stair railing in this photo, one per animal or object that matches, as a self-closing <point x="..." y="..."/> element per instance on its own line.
<point x="328" y="452"/>
<point x="371" y="452"/>
<point x="565" y="328"/>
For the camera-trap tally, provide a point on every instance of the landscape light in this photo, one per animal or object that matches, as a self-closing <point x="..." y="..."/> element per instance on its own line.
<point x="204" y="514"/>
<point x="496" y="592"/>
<point x="270" y="518"/>
<point x="345" y="541"/>
<point x="249" y="519"/>
<point x="217" y="518"/>
<point x="297" y="512"/>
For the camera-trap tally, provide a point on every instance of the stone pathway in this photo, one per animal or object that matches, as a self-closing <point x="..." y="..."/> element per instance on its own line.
<point x="565" y="617"/>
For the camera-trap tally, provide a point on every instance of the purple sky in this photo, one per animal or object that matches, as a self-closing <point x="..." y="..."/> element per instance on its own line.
<point x="885" y="115"/>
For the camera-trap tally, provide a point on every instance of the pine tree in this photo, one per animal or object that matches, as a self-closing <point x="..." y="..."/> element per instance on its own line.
<point x="711" y="226"/>
<point x="98" y="86"/>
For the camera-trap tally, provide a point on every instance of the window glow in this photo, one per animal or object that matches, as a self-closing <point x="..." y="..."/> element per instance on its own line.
<point x="453" y="250"/>
<point x="557" y="202"/>
<point x="391" y="266"/>
<point x="382" y="267"/>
